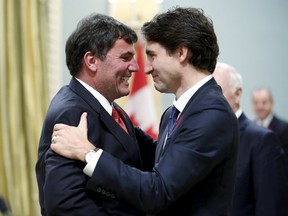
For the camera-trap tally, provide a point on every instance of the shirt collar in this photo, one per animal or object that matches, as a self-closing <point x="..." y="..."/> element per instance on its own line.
<point x="185" y="97"/>
<point x="102" y="100"/>
<point x="266" y="122"/>
<point x="238" y="113"/>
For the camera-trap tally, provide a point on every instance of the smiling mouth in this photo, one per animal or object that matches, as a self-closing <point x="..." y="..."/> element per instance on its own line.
<point x="155" y="78"/>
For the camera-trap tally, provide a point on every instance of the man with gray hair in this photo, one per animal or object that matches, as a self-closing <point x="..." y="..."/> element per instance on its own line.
<point x="263" y="104"/>
<point x="261" y="174"/>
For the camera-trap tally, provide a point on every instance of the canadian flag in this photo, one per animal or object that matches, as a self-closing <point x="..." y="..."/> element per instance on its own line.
<point x="140" y="103"/>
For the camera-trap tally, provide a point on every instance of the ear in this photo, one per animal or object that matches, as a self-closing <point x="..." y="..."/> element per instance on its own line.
<point x="183" y="53"/>
<point x="238" y="94"/>
<point x="90" y="61"/>
<point x="239" y="91"/>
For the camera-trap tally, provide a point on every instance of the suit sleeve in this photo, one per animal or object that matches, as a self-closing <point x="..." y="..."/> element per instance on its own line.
<point x="147" y="148"/>
<point x="190" y="156"/>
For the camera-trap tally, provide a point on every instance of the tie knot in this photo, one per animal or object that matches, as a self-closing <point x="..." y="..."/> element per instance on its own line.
<point x="174" y="113"/>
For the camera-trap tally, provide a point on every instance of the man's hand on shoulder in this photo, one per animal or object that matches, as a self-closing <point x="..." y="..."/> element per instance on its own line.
<point x="72" y="142"/>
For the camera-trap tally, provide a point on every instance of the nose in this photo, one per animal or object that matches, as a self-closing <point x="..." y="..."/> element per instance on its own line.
<point x="148" y="68"/>
<point x="133" y="67"/>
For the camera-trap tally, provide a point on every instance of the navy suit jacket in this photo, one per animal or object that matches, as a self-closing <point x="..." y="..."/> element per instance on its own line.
<point x="280" y="127"/>
<point x="262" y="173"/>
<point x="61" y="181"/>
<point x="195" y="173"/>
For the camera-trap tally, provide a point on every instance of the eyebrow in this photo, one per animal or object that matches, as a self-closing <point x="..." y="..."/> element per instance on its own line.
<point x="150" y="52"/>
<point x="128" y="53"/>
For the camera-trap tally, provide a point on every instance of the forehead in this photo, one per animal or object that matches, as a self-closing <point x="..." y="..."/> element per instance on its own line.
<point x="121" y="47"/>
<point x="261" y="95"/>
<point x="154" y="47"/>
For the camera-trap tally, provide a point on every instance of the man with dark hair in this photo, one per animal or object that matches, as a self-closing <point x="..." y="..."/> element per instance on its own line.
<point x="196" y="151"/>
<point x="100" y="58"/>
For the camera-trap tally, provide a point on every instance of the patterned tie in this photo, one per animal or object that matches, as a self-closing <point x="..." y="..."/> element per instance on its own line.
<point x="172" y="119"/>
<point x="116" y="117"/>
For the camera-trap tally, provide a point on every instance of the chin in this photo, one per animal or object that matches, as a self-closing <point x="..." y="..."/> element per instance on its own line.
<point x="125" y="93"/>
<point x="160" y="88"/>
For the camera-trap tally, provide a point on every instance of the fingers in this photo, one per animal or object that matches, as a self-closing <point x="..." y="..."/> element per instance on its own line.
<point x="68" y="140"/>
<point x="58" y="127"/>
<point x="82" y="124"/>
<point x="83" y="121"/>
<point x="53" y="140"/>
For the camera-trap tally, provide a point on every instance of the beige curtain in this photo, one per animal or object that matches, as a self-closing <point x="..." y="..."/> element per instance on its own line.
<point x="23" y="98"/>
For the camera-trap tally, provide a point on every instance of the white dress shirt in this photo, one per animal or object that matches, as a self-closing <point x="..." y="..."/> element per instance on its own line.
<point x="266" y="122"/>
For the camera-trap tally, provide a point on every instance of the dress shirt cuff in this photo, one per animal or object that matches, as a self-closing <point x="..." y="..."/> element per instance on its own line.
<point x="89" y="168"/>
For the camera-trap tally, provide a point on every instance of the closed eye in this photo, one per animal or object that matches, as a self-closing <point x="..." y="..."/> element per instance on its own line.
<point x="127" y="57"/>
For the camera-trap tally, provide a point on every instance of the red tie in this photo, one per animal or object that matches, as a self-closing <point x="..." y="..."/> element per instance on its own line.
<point x="116" y="117"/>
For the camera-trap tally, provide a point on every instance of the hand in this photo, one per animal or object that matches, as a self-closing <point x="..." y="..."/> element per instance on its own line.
<point x="72" y="142"/>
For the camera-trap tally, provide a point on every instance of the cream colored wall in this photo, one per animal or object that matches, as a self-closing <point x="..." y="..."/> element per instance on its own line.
<point x="132" y="12"/>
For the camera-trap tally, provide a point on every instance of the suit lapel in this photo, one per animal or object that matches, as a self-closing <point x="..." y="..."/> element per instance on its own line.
<point x="128" y="142"/>
<point x="191" y="107"/>
<point x="243" y="122"/>
<point x="160" y="144"/>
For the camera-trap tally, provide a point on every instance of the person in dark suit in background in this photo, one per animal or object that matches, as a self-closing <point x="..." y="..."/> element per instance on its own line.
<point x="262" y="169"/>
<point x="100" y="57"/>
<point x="4" y="207"/>
<point x="195" y="159"/>
<point x="263" y="103"/>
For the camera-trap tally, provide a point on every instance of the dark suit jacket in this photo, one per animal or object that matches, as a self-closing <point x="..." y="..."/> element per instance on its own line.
<point x="262" y="173"/>
<point x="195" y="173"/>
<point x="61" y="181"/>
<point x="280" y="127"/>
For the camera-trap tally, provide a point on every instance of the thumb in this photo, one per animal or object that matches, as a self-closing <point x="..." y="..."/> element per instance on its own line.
<point x="83" y="122"/>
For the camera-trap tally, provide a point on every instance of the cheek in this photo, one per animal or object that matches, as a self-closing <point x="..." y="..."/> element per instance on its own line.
<point x="267" y="107"/>
<point x="257" y="105"/>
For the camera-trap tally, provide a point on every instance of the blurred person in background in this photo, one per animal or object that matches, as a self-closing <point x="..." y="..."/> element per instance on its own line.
<point x="4" y="207"/>
<point x="261" y="187"/>
<point x="263" y="104"/>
